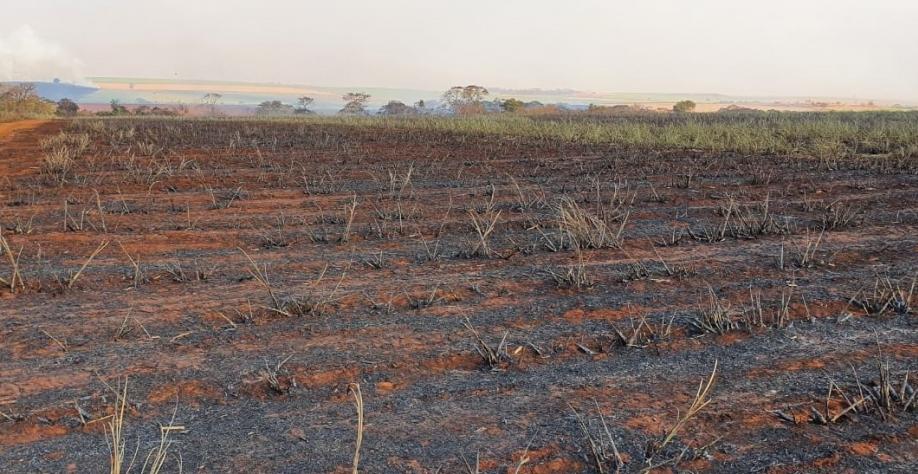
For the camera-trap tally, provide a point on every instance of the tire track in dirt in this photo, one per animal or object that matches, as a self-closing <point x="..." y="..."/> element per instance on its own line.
<point x="19" y="145"/>
<point x="9" y="128"/>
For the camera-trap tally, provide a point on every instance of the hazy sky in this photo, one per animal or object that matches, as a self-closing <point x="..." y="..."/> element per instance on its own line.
<point x="850" y="48"/>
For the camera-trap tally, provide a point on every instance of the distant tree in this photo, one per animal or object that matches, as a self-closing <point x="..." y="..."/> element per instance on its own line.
<point x="355" y="103"/>
<point x="273" y="108"/>
<point x="737" y="109"/>
<point x="397" y="108"/>
<point x="118" y="109"/>
<point x="67" y="108"/>
<point x="22" y="100"/>
<point x="684" y="106"/>
<point x="20" y="93"/>
<point x="303" y="106"/>
<point x="512" y="105"/>
<point x="211" y="99"/>
<point x="465" y="99"/>
<point x="420" y="107"/>
<point x="154" y="110"/>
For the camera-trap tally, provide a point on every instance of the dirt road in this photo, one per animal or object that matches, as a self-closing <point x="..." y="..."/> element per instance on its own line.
<point x="8" y="129"/>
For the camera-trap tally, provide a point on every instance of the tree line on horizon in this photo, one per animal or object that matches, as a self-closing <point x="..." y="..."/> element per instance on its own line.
<point x="458" y="100"/>
<point x="22" y="100"/>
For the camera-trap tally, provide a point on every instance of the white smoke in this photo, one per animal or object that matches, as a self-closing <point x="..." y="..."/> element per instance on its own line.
<point x="24" y="56"/>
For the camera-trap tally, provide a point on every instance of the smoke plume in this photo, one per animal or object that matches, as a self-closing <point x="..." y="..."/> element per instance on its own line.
<point x="25" y="56"/>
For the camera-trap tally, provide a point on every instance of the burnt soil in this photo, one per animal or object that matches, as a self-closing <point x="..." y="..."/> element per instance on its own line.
<point x="386" y="305"/>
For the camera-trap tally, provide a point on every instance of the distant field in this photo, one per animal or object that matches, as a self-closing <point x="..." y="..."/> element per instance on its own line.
<point x="830" y="135"/>
<point x="131" y="91"/>
<point x="328" y="99"/>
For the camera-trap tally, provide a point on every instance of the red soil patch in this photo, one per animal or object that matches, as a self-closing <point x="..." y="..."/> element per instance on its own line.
<point x="650" y="424"/>
<point x="578" y="315"/>
<point x="24" y="433"/>
<point x="864" y="448"/>
<point x="194" y="392"/>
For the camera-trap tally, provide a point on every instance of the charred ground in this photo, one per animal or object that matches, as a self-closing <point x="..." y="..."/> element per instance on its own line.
<point x="483" y="288"/>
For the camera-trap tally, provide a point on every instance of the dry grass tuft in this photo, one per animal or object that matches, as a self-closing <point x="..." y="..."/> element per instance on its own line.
<point x="586" y="230"/>
<point x="715" y="315"/>
<point x="354" y="389"/>
<point x="700" y="401"/>
<point x="886" y="295"/>
<point x="158" y="455"/>
<point x="60" y="153"/>
<point x="15" y="279"/>
<point x="494" y="356"/>
<point x="483" y="226"/>
<point x="572" y="276"/>
<point x="886" y="396"/>
<point x="115" y="430"/>
<point x="73" y="278"/>
<point x="603" y="449"/>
